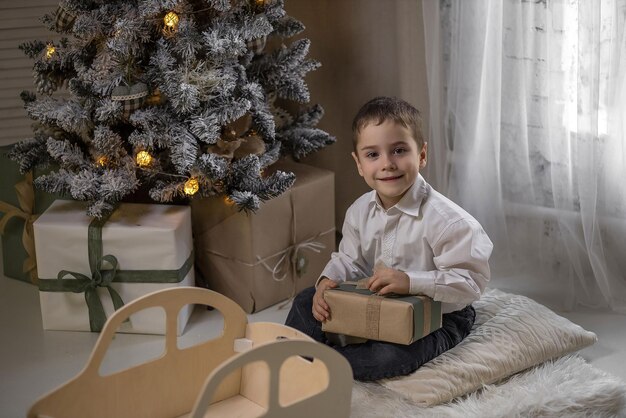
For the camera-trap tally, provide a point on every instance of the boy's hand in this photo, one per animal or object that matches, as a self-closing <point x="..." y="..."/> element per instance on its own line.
<point x="387" y="280"/>
<point x="321" y="310"/>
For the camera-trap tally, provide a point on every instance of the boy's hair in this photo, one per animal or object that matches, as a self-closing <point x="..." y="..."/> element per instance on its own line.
<point x="380" y="109"/>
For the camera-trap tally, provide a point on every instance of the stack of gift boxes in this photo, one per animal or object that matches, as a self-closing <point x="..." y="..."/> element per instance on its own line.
<point x="86" y="268"/>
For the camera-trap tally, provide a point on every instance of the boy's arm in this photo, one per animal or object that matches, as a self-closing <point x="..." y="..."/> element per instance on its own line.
<point x="347" y="263"/>
<point x="461" y="255"/>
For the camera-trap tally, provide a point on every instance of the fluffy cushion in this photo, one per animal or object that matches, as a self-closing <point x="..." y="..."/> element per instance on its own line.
<point x="511" y="334"/>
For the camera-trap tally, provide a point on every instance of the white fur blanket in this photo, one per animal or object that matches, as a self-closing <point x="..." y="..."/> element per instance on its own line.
<point x="565" y="387"/>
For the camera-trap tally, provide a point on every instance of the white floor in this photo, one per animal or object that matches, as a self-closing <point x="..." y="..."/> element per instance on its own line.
<point x="33" y="361"/>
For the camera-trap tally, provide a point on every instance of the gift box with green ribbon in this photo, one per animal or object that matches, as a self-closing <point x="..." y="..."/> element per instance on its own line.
<point x="397" y="319"/>
<point x="89" y="267"/>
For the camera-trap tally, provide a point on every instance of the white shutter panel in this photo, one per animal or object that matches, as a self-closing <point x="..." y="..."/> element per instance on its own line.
<point x="19" y="22"/>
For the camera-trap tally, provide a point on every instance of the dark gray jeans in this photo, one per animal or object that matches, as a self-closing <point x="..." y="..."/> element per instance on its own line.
<point x="374" y="360"/>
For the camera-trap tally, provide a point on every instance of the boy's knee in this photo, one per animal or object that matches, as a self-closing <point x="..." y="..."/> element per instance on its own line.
<point x="305" y="296"/>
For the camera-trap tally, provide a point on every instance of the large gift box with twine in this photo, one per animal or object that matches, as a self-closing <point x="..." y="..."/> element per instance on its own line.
<point x="263" y="258"/>
<point x="396" y="319"/>
<point x="89" y="267"/>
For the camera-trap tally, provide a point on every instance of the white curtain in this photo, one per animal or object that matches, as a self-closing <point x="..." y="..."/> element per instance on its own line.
<point x="527" y="133"/>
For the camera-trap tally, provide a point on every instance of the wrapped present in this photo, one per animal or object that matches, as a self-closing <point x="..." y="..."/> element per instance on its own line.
<point x="64" y="18"/>
<point x="263" y="258"/>
<point x="89" y="267"/>
<point x="17" y="213"/>
<point x="395" y="319"/>
<point x="20" y="204"/>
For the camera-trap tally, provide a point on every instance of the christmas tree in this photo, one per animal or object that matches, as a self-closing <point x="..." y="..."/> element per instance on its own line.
<point x="179" y="98"/>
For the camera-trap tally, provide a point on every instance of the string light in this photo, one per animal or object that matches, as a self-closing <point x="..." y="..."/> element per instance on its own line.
<point x="171" y="20"/>
<point x="143" y="159"/>
<point x="191" y="187"/>
<point x="50" y="50"/>
<point x="103" y="160"/>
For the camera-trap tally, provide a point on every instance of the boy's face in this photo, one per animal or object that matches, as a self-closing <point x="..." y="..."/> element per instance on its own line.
<point x="388" y="158"/>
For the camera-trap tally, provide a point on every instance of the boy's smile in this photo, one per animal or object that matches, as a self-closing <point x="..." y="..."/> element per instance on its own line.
<point x="391" y="178"/>
<point x="388" y="159"/>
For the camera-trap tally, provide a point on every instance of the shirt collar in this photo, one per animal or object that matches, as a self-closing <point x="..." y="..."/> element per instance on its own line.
<point x="411" y="202"/>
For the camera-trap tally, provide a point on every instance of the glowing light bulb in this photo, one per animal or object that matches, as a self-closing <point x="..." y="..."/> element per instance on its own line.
<point x="103" y="160"/>
<point x="143" y="159"/>
<point x="191" y="187"/>
<point x="171" y="20"/>
<point x="260" y="3"/>
<point x="50" y="50"/>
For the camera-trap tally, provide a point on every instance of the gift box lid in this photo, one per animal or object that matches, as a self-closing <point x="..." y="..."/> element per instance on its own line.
<point x="140" y="236"/>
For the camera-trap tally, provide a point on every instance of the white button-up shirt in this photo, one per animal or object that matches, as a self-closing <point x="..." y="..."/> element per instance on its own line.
<point x="441" y="247"/>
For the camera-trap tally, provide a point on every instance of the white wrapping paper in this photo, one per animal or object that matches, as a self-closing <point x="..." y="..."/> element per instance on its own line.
<point x="140" y="236"/>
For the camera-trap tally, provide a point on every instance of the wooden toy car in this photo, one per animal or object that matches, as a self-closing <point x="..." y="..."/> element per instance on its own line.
<point x="279" y="373"/>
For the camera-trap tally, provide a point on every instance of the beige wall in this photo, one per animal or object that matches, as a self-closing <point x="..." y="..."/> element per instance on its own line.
<point x="367" y="48"/>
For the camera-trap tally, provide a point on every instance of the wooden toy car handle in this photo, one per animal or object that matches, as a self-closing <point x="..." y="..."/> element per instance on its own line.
<point x="171" y="300"/>
<point x="274" y="354"/>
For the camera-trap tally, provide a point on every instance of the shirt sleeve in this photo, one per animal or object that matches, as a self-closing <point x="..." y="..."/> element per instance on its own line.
<point x="347" y="263"/>
<point x="461" y="257"/>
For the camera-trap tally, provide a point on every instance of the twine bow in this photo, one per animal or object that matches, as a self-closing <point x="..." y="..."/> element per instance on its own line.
<point x="294" y="254"/>
<point x="26" y="199"/>
<point x="291" y="255"/>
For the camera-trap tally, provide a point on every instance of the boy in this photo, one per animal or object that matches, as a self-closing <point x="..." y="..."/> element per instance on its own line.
<point x="407" y="238"/>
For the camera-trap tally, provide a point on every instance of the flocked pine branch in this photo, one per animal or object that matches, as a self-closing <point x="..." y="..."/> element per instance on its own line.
<point x="288" y="27"/>
<point x="300" y="137"/>
<point x="31" y="153"/>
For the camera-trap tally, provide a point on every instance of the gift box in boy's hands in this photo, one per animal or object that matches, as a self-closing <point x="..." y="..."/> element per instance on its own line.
<point x="395" y="319"/>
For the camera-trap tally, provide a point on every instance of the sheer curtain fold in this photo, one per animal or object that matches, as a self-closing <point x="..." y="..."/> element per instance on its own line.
<point x="527" y="111"/>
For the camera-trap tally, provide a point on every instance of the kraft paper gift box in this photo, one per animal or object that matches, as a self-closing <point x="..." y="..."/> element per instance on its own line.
<point x="19" y="205"/>
<point x="16" y="216"/>
<point x="88" y="267"/>
<point x="396" y="319"/>
<point x="266" y="257"/>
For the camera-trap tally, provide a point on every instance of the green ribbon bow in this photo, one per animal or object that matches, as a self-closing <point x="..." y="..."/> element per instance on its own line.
<point x="101" y="277"/>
